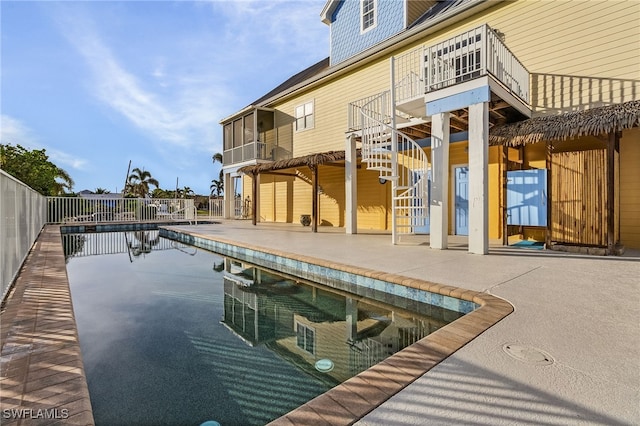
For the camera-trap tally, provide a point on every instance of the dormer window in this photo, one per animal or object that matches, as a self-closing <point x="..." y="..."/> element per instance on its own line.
<point x="367" y="15"/>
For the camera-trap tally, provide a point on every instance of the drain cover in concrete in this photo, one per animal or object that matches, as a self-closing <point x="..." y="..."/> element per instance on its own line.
<point x="528" y="354"/>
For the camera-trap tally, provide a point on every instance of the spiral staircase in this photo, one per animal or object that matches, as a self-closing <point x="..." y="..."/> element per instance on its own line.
<point x="399" y="160"/>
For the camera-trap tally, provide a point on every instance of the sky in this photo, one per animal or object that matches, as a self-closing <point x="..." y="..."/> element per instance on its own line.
<point x="100" y="83"/>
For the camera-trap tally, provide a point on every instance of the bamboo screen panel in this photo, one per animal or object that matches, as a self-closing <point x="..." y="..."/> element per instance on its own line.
<point x="579" y="198"/>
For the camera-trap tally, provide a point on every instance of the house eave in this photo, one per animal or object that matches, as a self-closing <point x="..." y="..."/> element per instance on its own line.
<point x="327" y="11"/>
<point x="242" y="112"/>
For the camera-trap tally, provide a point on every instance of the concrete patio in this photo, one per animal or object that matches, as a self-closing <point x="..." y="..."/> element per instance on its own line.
<point x="574" y="336"/>
<point x="582" y="312"/>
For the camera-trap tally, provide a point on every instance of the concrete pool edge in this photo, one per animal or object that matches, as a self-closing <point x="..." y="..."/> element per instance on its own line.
<point x="42" y="373"/>
<point x="350" y="401"/>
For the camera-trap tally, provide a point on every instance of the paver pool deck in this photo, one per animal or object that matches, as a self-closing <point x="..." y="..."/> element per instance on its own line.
<point x="581" y="312"/>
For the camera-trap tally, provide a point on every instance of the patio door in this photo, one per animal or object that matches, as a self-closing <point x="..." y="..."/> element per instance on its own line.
<point x="461" y="215"/>
<point x="420" y="227"/>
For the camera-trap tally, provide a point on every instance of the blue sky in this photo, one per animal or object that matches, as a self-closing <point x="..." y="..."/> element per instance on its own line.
<point x="99" y="83"/>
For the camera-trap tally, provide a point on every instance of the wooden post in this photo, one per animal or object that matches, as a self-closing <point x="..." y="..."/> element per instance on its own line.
<point x="549" y="196"/>
<point x="314" y="201"/>
<point x="254" y="195"/>
<point x="611" y="194"/>
<point x="505" y="164"/>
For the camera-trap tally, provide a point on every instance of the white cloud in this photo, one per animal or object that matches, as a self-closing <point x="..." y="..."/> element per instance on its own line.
<point x="14" y="132"/>
<point x="185" y="116"/>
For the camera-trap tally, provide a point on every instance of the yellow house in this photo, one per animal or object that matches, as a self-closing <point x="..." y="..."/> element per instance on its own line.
<point x="501" y="120"/>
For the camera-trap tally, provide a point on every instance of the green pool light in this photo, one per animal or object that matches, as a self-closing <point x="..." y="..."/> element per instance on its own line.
<point x="324" y="365"/>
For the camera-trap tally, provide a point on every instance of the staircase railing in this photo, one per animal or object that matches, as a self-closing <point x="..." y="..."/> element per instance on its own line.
<point x="398" y="159"/>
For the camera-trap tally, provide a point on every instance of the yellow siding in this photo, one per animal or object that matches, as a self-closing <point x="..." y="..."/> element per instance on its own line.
<point x="495" y="192"/>
<point x="330" y="108"/>
<point x="302" y="194"/>
<point x="581" y="54"/>
<point x="630" y="188"/>
<point x="374" y="200"/>
<point x="332" y="196"/>
<point x="266" y="212"/>
<point x="283" y="199"/>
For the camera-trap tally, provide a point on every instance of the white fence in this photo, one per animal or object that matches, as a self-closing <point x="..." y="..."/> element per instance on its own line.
<point x="23" y="213"/>
<point x="117" y="209"/>
<point x="241" y="209"/>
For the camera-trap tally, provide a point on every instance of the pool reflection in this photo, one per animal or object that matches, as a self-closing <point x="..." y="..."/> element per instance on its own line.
<point x="305" y="322"/>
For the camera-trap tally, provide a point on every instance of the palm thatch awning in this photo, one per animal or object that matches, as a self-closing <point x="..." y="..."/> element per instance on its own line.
<point x="594" y="121"/>
<point x="311" y="160"/>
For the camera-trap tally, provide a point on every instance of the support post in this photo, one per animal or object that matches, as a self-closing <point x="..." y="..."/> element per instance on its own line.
<point x="314" y="201"/>
<point x="505" y="212"/>
<point x="439" y="226"/>
<point x="254" y="196"/>
<point x="611" y="193"/>
<point x="351" y="186"/>
<point x="394" y="151"/>
<point x="479" y="178"/>
<point x="229" y="197"/>
<point x="549" y="162"/>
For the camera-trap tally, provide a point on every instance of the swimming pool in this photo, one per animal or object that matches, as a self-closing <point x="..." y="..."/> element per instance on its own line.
<point x="171" y="334"/>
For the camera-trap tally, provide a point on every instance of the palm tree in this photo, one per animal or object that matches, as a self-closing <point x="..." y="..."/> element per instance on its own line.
<point x="62" y="181"/>
<point x="139" y="181"/>
<point x="102" y="191"/>
<point x="186" y="191"/>
<point x="217" y="185"/>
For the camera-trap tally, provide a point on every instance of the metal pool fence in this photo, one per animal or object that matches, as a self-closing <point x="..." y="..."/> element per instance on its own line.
<point x="23" y="214"/>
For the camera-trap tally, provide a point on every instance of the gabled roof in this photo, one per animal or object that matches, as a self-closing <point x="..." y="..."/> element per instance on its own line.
<point x="440" y="8"/>
<point x="296" y="79"/>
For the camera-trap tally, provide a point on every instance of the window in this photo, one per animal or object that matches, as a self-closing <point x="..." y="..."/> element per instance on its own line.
<point x="306" y="338"/>
<point x="304" y="116"/>
<point x="368" y="14"/>
<point x="237" y="133"/>
<point x="248" y="128"/>
<point x="228" y="136"/>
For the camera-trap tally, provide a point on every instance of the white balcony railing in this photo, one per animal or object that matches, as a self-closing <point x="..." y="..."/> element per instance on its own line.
<point x="382" y="106"/>
<point x="467" y="56"/>
<point x="249" y="151"/>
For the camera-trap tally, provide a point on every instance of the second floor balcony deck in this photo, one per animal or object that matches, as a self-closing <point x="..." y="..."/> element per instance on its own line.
<point x="249" y="137"/>
<point x="472" y="54"/>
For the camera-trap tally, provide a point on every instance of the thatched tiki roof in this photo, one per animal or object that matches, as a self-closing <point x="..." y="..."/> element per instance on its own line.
<point x="311" y="160"/>
<point x="594" y="121"/>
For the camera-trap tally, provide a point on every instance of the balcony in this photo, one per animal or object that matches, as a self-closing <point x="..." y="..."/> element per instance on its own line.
<point x="249" y="137"/>
<point x="472" y="54"/>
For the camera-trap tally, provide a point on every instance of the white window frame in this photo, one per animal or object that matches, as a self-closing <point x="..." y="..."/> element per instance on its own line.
<point x="374" y="11"/>
<point x="304" y="115"/>
<point x="305" y="327"/>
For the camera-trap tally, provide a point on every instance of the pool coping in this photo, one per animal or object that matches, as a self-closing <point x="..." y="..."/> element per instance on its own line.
<point x="350" y="401"/>
<point x="41" y="363"/>
<point x="42" y="378"/>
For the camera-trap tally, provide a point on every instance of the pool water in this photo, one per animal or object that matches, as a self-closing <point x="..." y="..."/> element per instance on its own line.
<point x="174" y="335"/>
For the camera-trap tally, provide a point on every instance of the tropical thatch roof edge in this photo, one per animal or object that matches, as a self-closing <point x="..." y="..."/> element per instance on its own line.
<point x="594" y="121"/>
<point x="311" y="160"/>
